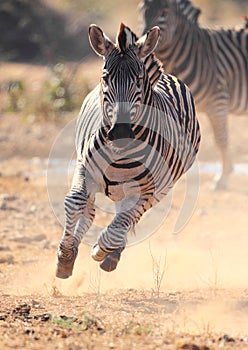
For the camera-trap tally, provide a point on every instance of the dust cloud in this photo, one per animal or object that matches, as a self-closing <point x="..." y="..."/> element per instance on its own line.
<point x="204" y="265"/>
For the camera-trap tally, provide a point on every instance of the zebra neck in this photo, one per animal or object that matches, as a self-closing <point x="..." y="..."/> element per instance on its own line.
<point x="154" y="69"/>
<point x="171" y="53"/>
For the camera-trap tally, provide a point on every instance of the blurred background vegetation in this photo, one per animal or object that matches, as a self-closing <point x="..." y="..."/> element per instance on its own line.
<point x="46" y="63"/>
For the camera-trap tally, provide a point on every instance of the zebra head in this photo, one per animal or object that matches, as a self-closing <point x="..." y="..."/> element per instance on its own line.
<point x="168" y="15"/>
<point x="123" y="80"/>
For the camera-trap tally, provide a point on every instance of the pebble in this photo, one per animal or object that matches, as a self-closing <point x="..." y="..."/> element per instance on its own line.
<point x="227" y="339"/>
<point x="4" y="199"/>
<point x="244" y="339"/>
<point x="7" y="197"/>
<point x="3" y="205"/>
<point x="8" y="259"/>
<point x="32" y="209"/>
<point x="4" y="249"/>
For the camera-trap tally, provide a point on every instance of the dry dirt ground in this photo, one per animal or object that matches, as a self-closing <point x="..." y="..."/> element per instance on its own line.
<point x="184" y="291"/>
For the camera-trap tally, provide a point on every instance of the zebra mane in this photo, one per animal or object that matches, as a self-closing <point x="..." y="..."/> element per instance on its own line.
<point x="127" y="39"/>
<point x="154" y="68"/>
<point x="188" y="10"/>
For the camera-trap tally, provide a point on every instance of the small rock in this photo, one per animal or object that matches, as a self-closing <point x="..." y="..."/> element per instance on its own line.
<point x="226" y="339"/>
<point x="190" y="347"/>
<point x="36" y="305"/>
<point x="3" y="205"/>
<point x="43" y="317"/>
<point x="4" y="249"/>
<point x="7" y="197"/>
<point x="244" y="339"/>
<point x="22" y="310"/>
<point x="8" y="259"/>
<point x="4" y="199"/>
<point x="32" y="209"/>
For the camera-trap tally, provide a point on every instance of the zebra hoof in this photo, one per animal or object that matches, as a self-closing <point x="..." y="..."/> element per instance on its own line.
<point x="63" y="271"/>
<point x="65" y="267"/>
<point x="221" y="184"/>
<point x="97" y="253"/>
<point x="110" y="262"/>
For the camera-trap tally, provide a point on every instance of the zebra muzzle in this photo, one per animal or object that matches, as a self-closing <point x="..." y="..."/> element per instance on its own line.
<point x="120" y="134"/>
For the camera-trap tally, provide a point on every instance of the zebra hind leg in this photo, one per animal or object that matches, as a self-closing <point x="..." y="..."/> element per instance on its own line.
<point x="222" y="180"/>
<point x="220" y="128"/>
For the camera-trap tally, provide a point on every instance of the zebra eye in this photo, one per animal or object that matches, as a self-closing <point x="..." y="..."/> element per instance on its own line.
<point x="105" y="79"/>
<point x="108" y="113"/>
<point x="140" y="80"/>
<point x="134" y="111"/>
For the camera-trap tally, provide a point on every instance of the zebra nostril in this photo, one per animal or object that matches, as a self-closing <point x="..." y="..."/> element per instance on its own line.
<point x="110" y="135"/>
<point x="120" y="131"/>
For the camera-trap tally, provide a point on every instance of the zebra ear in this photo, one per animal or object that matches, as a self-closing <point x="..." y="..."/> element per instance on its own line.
<point x="100" y="43"/>
<point x="148" y="42"/>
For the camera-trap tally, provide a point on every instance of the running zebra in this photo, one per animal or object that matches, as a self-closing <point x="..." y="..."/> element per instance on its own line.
<point x="136" y="134"/>
<point x="213" y="63"/>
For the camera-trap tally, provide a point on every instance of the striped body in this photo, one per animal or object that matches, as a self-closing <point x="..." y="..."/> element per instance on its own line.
<point x="136" y="134"/>
<point x="213" y="63"/>
<point x="171" y="131"/>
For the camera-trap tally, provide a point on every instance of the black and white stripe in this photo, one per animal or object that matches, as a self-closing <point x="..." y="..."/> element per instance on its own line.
<point x="137" y="133"/>
<point x="212" y="62"/>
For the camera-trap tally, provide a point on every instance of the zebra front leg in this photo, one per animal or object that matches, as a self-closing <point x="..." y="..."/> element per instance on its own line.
<point x="80" y="213"/>
<point x="112" y="240"/>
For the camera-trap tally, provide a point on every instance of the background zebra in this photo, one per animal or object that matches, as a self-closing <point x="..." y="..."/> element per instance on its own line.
<point x="137" y="133"/>
<point x="213" y="63"/>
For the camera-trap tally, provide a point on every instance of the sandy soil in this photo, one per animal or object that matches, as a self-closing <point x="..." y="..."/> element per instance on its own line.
<point x="184" y="291"/>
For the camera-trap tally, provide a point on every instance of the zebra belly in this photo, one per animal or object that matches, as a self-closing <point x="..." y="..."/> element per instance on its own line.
<point x="121" y="191"/>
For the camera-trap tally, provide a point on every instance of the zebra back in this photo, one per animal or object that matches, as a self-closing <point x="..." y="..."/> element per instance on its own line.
<point x="212" y="62"/>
